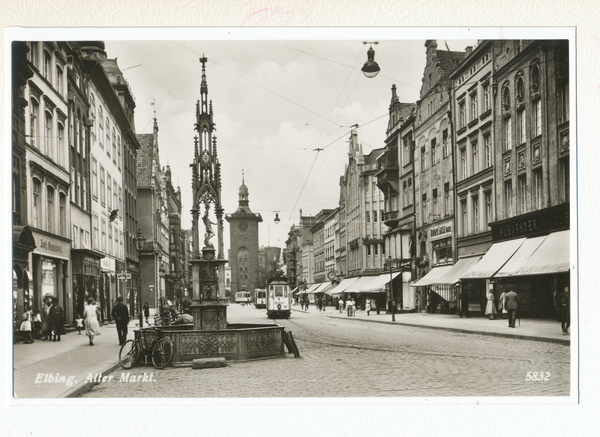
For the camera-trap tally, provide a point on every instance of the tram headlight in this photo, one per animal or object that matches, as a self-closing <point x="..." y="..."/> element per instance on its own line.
<point x="279" y="306"/>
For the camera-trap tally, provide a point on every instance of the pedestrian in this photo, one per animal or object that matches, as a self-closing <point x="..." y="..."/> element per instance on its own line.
<point x="306" y="302"/>
<point x="563" y="306"/>
<point x="147" y="312"/>
<point x="368" y="307"/>
<point x="512" y="305"/>
<point x="349" y="304"/>
<point x="490" y="308"/>
<point x="79" y="323"/>
<point x="341" y="304"/>
<point x="57" y="315"/>
<point x="121" y="315"/>
<point x="37" y="323"/>
<point x="25" y="327"/>
<point x="91" y="314"/>
<point x="502" y="305"/>
<point x="46" y="322"/>
<point x="464" y="303"/>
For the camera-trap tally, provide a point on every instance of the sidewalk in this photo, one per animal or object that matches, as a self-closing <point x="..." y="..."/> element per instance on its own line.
<point x="72" y="358"/>
<point x="528" y="329"/>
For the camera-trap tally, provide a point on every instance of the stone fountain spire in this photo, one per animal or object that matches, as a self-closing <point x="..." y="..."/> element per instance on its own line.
<point x="208" y="264"/>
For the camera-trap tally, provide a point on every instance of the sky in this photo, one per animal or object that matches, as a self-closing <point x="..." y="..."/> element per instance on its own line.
<point x="275" y="102"/>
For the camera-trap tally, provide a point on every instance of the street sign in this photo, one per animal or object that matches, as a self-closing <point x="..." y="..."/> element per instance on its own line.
<point x="124" y="276"/>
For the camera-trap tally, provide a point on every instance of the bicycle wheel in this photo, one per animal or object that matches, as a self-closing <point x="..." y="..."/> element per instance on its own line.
<point x="162" y="352"/>
<point x="129" y="354"/>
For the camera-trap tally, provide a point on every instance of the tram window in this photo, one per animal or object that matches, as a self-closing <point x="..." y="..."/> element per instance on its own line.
<point x="279" y="291"/>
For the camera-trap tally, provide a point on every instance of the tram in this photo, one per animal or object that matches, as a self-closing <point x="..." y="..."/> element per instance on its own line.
<point x="242" y="297"/>
<point x="260" y="298"/>
<point x="279" y="298"/>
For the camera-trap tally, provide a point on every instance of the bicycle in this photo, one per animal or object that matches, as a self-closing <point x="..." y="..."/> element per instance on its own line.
<point x="160" y="350"/>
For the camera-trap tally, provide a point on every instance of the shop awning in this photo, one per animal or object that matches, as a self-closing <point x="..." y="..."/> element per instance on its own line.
<point x="342" y="286"/>
<point x="322" y="286"/>
<point x="330" y="286"/>
<point x="360" y="284"/>
<point x="453" y="275"/>
<point x="295" y="290"/>
<point x="493" y="260"/>
<point x="520" y="257"/>
<point x="378" y="284"/>
<point x="430" y="277"/>
<point x="310" y="289"/>
<point x="551" y="256"/>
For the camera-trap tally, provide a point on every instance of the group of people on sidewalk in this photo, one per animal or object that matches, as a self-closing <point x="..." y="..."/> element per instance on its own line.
<point x="508" y="305"/>
<point x="48" y="325"/>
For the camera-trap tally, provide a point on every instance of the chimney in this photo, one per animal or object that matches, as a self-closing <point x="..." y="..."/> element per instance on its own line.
<point x="469" y="50"/>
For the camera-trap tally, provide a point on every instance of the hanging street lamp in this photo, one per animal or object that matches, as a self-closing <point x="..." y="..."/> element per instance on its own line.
<point x="370" y="68"/>
<point x="277" y="220"/>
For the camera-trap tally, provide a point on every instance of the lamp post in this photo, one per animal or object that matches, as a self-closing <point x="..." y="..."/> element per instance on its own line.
<point x="390" y="265"/>
<point x="140" y="241"/>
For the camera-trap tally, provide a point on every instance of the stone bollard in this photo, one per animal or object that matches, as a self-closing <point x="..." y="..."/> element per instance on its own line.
<point x="208" y="363"/>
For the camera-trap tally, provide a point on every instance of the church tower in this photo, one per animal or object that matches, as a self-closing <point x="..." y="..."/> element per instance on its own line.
<point x="243" y="254"/>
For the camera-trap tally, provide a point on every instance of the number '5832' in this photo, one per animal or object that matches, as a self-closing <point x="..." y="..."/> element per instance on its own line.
<point x="537" y="376"/>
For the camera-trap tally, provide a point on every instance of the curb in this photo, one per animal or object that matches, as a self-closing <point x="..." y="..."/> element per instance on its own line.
<point x="466" y="331"/>
<point x="84" y="387"/>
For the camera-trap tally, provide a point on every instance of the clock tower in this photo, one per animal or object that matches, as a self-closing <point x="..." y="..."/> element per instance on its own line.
<point x="243" y="253"/>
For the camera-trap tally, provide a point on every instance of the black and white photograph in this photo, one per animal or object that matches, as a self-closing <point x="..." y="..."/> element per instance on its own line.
<point x="364" y="218"/>
<point x="289" y="218"/>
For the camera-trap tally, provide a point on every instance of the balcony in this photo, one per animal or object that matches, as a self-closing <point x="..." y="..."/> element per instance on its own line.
<point x="387" y="170"/>
<point x="391" y="218"/>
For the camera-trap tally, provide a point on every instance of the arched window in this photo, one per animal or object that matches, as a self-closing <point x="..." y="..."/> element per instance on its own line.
<point x="506" y="98"/>
<point x="34" y="110"/>
<point x="46" y="67"/>
<point x="59" y="79"/>
<point x="535" y="78"/>
<point x="36" y="205"/>
<point x="48" y="135"/>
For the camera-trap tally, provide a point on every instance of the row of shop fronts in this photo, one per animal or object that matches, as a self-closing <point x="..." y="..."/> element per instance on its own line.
<point x="374" y="287"/>
<point x="530" y="253"/>
<point x="46" y="266"/>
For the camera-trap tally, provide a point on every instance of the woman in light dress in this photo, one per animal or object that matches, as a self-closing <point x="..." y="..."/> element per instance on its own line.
<point x="490" y="309"/>
<point x="26" y="323"/>
<point x="90" y="315"/>
<point x="368" y="307"/>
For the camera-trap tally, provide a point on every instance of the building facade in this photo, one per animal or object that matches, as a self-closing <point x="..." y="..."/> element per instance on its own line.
<point x="45" y="177"/>
<point x="243" y="252"/>
<point x="290" y="256"/>
<point x="434" y="175"/>
<point x="395" y="178"/>
<point x="153" y="219"/>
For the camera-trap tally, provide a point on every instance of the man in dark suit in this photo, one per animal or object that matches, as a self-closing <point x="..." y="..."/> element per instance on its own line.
<point x="121" y="315"/>
<point x="512" y="305"/>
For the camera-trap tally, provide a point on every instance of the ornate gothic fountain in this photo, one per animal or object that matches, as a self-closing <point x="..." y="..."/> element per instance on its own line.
<point x="211" y="335"/>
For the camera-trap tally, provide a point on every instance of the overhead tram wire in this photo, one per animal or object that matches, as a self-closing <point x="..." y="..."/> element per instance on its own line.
<point x="339" y="63"/>
<point x="257" y="84"/>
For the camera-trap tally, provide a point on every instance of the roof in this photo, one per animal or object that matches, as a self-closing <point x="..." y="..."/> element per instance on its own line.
<point x="144" y="160"/>
<point x="371" y="158"/>
<point x="449" y="61"/>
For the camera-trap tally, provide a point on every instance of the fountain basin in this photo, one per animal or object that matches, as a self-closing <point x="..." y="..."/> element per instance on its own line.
<point x="240" y="341"/>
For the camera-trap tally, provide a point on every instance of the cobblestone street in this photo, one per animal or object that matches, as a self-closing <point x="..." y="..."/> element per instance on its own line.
<point x="349" y="358"/>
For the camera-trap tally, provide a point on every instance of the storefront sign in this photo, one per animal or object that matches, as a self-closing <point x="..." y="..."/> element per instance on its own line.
<point x="441" y="230"/>
<point x="89" y="261"/>
<point x="107" y="264"/>
<point x="50" y="246"/>
<point x="533" y="223"/>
